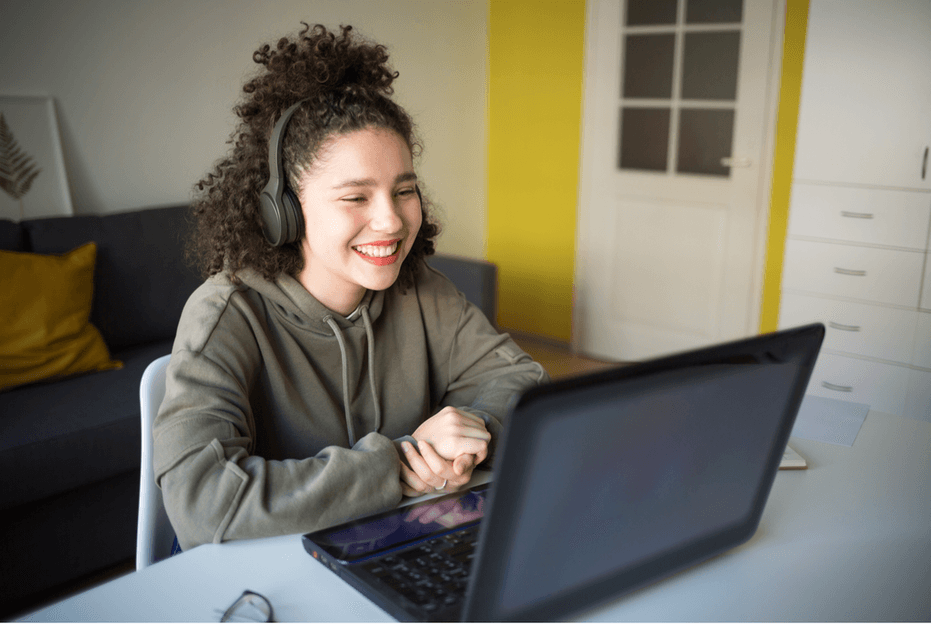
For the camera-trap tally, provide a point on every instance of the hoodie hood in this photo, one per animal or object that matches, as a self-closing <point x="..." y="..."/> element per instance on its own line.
<point x="298" y="307"/>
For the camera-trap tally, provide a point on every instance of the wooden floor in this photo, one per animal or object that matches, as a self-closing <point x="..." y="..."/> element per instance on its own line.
<point x="557" y="358"/>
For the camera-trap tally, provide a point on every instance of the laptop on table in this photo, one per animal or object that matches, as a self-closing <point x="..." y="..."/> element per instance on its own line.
<point x="602" y="484"/>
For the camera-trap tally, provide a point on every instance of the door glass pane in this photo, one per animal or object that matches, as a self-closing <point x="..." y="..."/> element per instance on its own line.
<point x="648" y="66"/>
<point x="705" y="137"/>
<point x="651" y="12"/>
<point x="644" y="138"/>
<point x="714" y="12"/>
<point x="709" y="70"/>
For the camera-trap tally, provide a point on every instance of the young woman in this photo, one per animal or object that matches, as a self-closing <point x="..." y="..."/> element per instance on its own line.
<point x="321" y="378"/>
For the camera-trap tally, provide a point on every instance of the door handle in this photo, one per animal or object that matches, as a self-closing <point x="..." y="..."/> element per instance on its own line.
<point x="730" y="161"/>
<point x="924" y="164"/>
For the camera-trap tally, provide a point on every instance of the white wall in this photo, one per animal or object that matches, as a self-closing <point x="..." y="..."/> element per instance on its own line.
<point x="144" y="89"/>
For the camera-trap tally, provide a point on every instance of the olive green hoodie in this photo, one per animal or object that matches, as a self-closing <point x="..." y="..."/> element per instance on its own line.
<point x="281" y="416"/>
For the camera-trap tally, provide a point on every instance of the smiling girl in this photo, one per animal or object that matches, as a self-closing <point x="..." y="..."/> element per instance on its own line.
<point x="322" y="378"/>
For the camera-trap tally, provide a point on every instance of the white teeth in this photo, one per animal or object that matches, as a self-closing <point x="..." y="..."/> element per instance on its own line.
<point x="377" y="251"/>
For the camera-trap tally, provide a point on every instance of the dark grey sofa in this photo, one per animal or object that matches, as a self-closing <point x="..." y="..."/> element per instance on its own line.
<point x="69" y="449"/>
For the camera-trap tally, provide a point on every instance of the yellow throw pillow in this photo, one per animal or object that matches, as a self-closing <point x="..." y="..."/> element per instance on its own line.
<point x="45" y="306"/>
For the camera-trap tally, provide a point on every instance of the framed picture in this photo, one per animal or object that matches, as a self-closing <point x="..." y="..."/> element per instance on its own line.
<point x="33" y="182"/>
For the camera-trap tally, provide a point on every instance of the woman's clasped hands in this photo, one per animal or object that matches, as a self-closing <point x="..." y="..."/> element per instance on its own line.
<point x="449" y="447"/>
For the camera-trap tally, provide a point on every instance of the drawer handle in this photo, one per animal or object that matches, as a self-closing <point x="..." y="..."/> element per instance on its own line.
<point x="924" y="164"/>
<point x="849" y="272"/>
<point x="842" y="327"/>
<point x="836" y="388"/>
<point x="856" y="215"/>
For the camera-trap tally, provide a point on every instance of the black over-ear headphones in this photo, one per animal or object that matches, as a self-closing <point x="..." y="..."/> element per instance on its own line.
<point x="282" y="218"/>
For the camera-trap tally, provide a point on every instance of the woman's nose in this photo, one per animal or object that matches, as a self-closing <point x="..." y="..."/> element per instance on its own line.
<point x="386" y="215"/>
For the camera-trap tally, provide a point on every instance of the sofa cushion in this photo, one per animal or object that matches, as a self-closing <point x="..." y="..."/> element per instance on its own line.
<point x="11" y="236"/>
<point x="45" y="304"/>
<point x="60" y="435"/>
<point x="141" y="281"/>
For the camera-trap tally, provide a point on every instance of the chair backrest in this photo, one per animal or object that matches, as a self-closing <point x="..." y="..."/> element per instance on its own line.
<point x="154" y="535"/>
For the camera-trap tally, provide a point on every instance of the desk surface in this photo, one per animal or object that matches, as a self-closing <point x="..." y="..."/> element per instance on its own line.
<point x="848" y="539"/>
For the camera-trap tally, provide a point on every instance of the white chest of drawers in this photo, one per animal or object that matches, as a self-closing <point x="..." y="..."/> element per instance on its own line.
<point x="857" y="256"/>
<point x="857" y="260"/>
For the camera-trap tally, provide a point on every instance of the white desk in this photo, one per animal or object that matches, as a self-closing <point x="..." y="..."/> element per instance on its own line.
<point x="848" y="539"/>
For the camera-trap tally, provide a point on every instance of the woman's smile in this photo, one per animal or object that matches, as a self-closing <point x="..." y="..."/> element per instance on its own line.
<point x="381" y="253"/>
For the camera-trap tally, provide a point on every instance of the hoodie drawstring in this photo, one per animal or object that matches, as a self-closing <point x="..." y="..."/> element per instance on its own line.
<point x="342" y="349"/>
<point x="367" y="321"/>
<point x="329" y="320"/>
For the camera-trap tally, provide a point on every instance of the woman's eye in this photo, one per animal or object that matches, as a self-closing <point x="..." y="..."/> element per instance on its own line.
<point x="406" y="192"/>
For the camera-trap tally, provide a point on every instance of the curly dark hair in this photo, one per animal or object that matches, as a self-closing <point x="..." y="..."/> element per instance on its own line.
<point x="344" y="84"/>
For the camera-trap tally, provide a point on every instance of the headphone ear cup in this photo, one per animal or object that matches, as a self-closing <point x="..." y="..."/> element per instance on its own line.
<point x="291" y="208"/>
<point x="273" y="225"/>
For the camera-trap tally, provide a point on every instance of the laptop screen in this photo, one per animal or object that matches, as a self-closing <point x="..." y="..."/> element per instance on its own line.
<point x="376" y="535"/>
<point x="674" y="465"/>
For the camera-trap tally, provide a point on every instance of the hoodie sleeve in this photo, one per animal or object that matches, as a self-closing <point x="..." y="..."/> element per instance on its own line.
<point x="485" y="370"/>
<point x="214" y="487"/>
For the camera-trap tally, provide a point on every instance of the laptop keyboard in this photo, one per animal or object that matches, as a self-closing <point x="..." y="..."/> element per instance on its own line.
<point x="434" y="574"/>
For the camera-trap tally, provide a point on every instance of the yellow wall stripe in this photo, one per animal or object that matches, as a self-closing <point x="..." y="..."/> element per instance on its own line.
<point x="535" y="69"/>
<point x="790" y="90"/>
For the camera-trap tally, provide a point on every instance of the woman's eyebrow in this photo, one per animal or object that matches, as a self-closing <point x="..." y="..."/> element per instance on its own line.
<point x="363" y="182"/>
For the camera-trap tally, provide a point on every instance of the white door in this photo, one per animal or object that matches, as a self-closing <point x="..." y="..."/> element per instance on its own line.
<point x="677" y="139"/>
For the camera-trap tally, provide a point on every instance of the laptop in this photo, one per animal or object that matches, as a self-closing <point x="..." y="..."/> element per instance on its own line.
<point x="602" y="484"/>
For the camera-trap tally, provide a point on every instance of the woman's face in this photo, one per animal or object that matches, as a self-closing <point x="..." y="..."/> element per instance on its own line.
<point x="362" y="214"/>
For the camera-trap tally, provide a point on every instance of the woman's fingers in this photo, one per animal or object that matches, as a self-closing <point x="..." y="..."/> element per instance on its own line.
<point x="431" y="479"/>
<point x="464" y="464"/>
<point x="437" y="464"/>
<point x="454" y="478"/>
<point x="467" y="424"/>
<point x="415" y="480"/>
<point x="411" y="483"/>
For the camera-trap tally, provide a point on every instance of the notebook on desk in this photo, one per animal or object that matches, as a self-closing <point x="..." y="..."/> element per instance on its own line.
<point x="602" y="484"/>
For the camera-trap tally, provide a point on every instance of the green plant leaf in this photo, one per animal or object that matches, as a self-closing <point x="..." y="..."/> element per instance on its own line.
<point x="17" y="169"/>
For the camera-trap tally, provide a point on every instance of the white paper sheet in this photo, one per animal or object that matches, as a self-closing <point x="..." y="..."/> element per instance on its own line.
<point x="829" y="420"/>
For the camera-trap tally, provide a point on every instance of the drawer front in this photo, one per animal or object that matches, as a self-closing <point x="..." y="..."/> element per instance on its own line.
<point x="922" y="352"/>
<point x="858" y="328"/>
<point x="918" y="404"/>
<point x="873" y="216"/>
<point x="866" y="273"/>
<point x="881" y="386"/>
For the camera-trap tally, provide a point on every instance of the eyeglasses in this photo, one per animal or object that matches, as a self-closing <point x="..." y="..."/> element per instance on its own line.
<point x="250" y="607"/>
